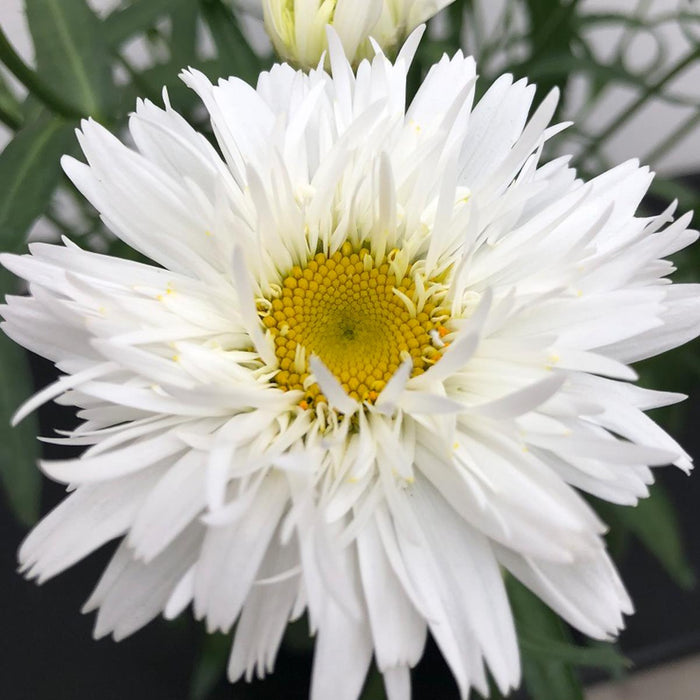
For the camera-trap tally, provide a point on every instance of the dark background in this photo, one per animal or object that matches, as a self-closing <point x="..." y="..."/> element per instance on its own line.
<point x="47" y="651"/>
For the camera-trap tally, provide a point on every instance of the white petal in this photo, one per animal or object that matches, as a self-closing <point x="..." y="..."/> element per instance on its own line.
<point x="343" y="645"/>
<point x="469" y="571"/>
<point x="139" y="592"/>
<point x="588" y="594"/>
<point x="231" y="556"/>
<point x="331" y="387"/>
<point x="397" y="682"/>
<point x="264" y="616"/>
<point x="398" y="630"/>
<point x="89" y="517"/>
<point x="171" y="506"/>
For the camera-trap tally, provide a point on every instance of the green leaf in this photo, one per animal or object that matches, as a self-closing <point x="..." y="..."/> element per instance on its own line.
<point x="19" y="448"/>
<point x="235" y="54"/>
<point x="653" y="521"/>
<point x="34" y="110"/>
<point x="136" y="18"/>
<point x="29" y="172"/>
<point x="183" y="37"/>
<point x="374" y="686"/>
<point x="604" y="656"/>
<point x="493" y="693"/>
<point x="35" y="83"/>
<point x="10" y="111"/>
<point x="546" y="677"/>
<point x="297" y="637"/>
<point x="210" y="666"/>
<point x="72" y="53"/>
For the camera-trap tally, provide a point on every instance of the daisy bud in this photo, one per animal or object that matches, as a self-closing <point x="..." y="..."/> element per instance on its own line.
<point x="297" y="28"/>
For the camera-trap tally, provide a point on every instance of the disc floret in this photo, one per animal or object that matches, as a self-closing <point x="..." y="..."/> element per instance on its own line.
<point x="362" y="316"/>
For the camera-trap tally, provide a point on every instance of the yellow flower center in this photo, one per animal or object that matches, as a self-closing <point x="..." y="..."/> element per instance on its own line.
<point x="358" y="317"/>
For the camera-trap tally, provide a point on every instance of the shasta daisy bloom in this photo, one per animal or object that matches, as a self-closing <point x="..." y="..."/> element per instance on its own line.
<point x="297" y="28"/>
<point x="378" y="355"/>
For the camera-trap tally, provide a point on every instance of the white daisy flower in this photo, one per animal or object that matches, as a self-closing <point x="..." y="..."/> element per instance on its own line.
<point x="297" y="28"/>
<point x="378" y="355"/>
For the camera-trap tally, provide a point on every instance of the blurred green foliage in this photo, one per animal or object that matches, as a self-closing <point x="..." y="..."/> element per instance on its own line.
<point x="85" y="67"/>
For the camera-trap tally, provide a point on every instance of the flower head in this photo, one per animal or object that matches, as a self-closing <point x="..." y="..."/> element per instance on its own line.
<point x="297" y="28"/>
<point x="379" y="352"/>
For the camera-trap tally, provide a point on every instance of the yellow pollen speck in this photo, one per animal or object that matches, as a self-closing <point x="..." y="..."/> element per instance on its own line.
<point x="416" y="126"/>
<point x="344" y="308"/>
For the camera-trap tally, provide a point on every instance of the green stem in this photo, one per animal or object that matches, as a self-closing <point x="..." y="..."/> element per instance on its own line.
<point x="672" y="139"/>
<point x="615" y="18"/>
<point x="651" y="90"/>
<point x="33" y="83"/>
<point x="629" y="32"/>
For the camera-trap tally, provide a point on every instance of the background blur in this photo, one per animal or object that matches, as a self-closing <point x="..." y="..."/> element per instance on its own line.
<point x="630" y="75"/>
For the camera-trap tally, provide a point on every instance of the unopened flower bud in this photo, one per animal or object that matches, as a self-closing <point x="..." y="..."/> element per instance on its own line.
<point x="297" y="28"/>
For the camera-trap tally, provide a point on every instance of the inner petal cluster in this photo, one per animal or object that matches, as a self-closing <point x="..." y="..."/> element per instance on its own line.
<point x="359" y="317"/>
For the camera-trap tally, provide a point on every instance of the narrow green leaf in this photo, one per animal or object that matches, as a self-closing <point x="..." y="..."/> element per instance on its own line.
<point x="9" y="106"/>
<point x="136" y="18"/>
<point x="297" y="637"/>
<point x="235" y="54"/>
<point x="34" y="110"/>
<point x="19" y="448"/>
<point x="210" y="666"/>
<point x="653" y="521"/>
<point x="37" y="86"/>
<point x="544" y="648"/>
<point x="493" y="693"/>
<point x="638" y="22"/>
<point x="72" y="54"/>
<point x="183" y="37"/>
<point x="374" y="686"/>
<point x="545" y="677"/>
<point x="29" y="173"/>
